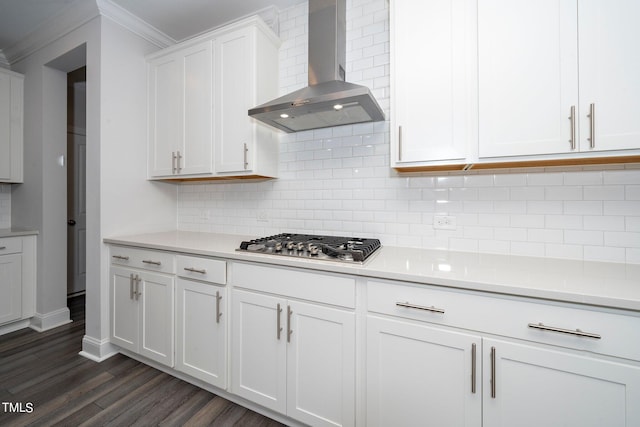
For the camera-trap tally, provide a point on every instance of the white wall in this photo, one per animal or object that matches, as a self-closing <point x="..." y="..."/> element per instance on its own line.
<point x="338" y="180"/>
<point x="119" y="199"/>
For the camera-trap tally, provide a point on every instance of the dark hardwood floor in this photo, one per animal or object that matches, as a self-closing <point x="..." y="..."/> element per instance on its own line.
<point x="44" y="382"/>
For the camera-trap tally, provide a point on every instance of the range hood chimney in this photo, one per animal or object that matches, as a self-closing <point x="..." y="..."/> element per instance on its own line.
<point x="328" y="100"/>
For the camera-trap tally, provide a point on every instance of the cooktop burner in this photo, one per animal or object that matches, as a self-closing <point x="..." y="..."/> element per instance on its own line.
<point x="334" y="248"/>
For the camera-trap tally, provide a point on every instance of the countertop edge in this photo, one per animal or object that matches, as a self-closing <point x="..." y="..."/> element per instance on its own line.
<point x="369" y="271"/>
<point x="17" y="232"/>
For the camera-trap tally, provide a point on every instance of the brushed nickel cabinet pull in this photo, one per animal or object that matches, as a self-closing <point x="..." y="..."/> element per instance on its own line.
<point x="278" y="327"/>
<point x="473" y="368"/>
<point x="572" y="117"/>
<point x="592" y="125"/>
<point x="399" y="143"/>
<point x="289" y="330"/>
<point x="493" y="372"/>
<point x="179" y="161"/>
<point x="120" y="257"/>
<point x="218" y="314"/>
<point x="137" y="291"/>
<point x="2" y="248"/>
<point x="246" y="162"/>
<point x="576" y="332"/>
<point x="195" y="270"/>
<point x="173" y="162"/>
<point x="420" y="307"/>
<point x="131" y="293"/>
<point x="147" y="261"/>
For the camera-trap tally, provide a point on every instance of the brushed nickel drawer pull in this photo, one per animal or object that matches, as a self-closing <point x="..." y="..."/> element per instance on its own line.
<point x="195" y="270"/>
<point x="576" y="332"/>
<point x="120" y="257"/>
<point x="420" y="307"/>
<point x="146" y="261"/>
<point x="2" y="248"/>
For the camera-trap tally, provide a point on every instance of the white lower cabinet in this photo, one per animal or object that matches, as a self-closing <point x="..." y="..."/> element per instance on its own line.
<point x="293" y="357"/>
<point x="541" y="386"/>
<point x="558" y="365"/>
<point x="17" y="280"/>
<point x="142" y="313"/>
<point x="201" y="331"/>
<point x="420" y="375"/>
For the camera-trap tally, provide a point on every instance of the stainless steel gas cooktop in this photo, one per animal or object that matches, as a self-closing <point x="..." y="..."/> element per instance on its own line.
<point x="331" y="248"/>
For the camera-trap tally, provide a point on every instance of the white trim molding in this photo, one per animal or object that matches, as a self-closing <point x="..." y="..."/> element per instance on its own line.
<point x="44" y="322"/>
<point x="97" y="350"/>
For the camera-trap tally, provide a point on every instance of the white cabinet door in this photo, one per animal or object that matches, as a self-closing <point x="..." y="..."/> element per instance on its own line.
<point x="527" y="70"/>
<point x="10" y="287"/>
<point x="124" y="309"/>
<point x="234" y="88"/>
<point x="259" y="349"/>
<point x="181" y="112"/>
<point x="418" y="375"/>
<point x="156" y="305"/>
<point x="201" y="331"/>
<point x="321" y="365"/>
<point x="142" y="313"/>
<point x="609" y="70"/>
<point x="433" y="75"/>
<point x="165" y="113"/>
<point x="537" y="386"/>
<point x="11" y="126"/>
<point x="196" y="150"/>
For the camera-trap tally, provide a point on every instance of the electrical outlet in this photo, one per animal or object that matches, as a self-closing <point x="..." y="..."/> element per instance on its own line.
<point x="262" y="216"/>
<point x="444" y="222"/>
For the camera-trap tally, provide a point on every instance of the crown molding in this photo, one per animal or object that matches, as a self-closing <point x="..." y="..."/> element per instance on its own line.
<point x="68" y="19"/>
<point x="134" y="24"/>
<point x="3" y="61"/>
<point x="74" y="16"/>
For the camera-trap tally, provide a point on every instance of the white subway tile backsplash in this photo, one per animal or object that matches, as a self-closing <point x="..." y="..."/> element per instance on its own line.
<point x="338" y="180"/>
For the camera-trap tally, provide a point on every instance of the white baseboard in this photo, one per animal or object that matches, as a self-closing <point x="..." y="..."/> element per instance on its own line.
<point x="97" y="350"/>
<point x="44" y="322"/>
<point x="15" y="326"/>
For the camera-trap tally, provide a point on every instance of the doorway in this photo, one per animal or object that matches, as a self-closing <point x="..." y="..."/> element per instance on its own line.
<point x="76" y="182"/>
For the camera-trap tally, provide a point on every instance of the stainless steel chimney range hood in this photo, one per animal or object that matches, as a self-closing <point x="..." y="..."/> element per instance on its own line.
<point x="328" y="100"/>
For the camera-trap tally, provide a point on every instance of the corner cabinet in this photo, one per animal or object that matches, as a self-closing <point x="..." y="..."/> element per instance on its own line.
<point x="200" y="92"/>
<point x="432" y="81"/>
<point x="11" y="126"/>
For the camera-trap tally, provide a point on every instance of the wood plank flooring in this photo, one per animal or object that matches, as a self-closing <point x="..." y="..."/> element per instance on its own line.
<point x="65" y="389"/>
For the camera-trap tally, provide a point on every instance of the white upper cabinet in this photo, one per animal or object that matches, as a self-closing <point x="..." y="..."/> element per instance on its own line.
<point x="200" y="92"/>
<point x="558" y="77"/>
<point x="180" y="112"/>
<point x="433" y="81"/>
<point x="527" y="70"/>
<point x="11" y="126"/>
<point x="609" y="58"/>
<point x="246" y="76"/>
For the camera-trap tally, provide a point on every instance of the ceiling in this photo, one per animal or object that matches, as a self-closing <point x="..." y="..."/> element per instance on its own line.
<point x="178" y="19"/>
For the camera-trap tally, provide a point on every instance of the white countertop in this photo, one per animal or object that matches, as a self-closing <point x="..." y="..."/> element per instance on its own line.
<point x="17" y="232"/>
<point x="586" y="282"/>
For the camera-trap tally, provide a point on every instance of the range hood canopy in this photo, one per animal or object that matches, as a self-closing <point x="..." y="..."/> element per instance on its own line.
<point x="328" y="100"/>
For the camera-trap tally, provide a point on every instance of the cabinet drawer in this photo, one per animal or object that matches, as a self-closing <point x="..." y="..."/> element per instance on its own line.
<point x="10" y="245"/>
<point x="205" y="269"/>
<point x="289" y="282"/>
<point x="511" y="317"/>
<point x="145" y="259"/>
